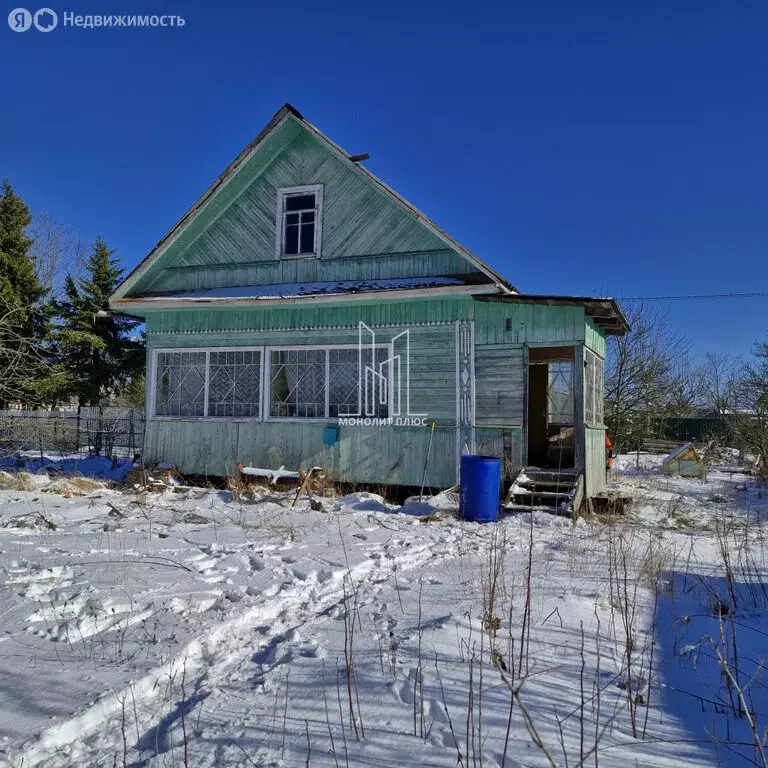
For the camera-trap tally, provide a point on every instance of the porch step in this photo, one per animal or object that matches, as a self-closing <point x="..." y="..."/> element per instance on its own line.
<point x="550" y="490"/>
<point x="527" y="482"/>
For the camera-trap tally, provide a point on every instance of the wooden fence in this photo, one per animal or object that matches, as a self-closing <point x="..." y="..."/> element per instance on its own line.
<point x="81" y="431"/>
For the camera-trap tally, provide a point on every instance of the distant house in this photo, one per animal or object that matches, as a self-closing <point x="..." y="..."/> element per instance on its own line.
<point x="303" y="313"/>
<point x="684" y="461"/>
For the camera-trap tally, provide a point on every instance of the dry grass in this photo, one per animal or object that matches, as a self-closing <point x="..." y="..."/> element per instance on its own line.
<point x="75" y="486"/>
<point x="17" y="481"/>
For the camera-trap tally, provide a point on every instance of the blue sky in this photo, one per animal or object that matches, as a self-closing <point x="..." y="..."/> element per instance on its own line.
<point x="579" y="148"/>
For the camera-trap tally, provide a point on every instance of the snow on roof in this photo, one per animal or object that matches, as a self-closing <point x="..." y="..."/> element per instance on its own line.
<point x="294" y="290"/>
<point x="678" y="452"/>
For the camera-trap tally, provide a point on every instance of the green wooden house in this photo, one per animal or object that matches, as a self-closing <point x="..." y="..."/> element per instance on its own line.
<point x="302" y="313"/>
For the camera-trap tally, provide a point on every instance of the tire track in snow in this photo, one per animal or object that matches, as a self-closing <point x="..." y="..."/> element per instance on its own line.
<point x="206" y="661"/>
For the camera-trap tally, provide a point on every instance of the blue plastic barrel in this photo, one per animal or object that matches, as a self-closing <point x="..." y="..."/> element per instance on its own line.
<point x="479" y="494"/>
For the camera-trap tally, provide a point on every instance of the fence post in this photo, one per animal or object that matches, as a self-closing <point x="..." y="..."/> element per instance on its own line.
<point x="77" y="431"/>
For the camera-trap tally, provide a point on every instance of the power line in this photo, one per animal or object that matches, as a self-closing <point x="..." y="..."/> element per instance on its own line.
<point x="755" y="294"/>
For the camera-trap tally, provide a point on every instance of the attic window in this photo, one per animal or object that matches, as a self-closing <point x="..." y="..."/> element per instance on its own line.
<point x="299" y="217"/>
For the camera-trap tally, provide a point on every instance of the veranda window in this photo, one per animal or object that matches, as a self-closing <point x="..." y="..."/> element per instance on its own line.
<point x="180" y="384"/>
<point x="234" y="387"/>
<point x="333" y="382"/>
<point x="222" y="383"/>
<point x="593" y="389"/>
<point x="301" y="383"/>
<point x="560" y="392"/>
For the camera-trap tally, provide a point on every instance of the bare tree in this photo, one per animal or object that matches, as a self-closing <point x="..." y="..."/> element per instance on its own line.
<point x="55" y="252"/>
<point x="21" y="362"/>
<point x="683" y="396"/>
<point x="646" y="375"/>
<point x="718" y="377"/>
<point x="749" y="421"/>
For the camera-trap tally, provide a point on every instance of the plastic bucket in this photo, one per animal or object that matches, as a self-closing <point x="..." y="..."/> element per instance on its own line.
<point x="479" y="494"/>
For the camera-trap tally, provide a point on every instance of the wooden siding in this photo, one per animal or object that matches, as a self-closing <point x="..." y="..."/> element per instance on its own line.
<point x="432" y="358"/>
<point x="685" y="468"/>
<point x="383" y="454"/>
<point x="370" y="455"/>
<point x="365" y="234"/>
<point x="302" y="316"/>
<point x="579" y="454"/>
<point x="389" y="454"/>
<point x="499" y="384"/>
<point x="594" y="338"/>
<point x="492" y="442"/>
<point x="594" y="474"/>
<point x="498" y="323"/>
<point x="363" y="454"/>
<point x="385" y="266"/>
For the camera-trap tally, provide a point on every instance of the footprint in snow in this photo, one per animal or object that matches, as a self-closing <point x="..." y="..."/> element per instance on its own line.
<point x="308" y="650"/>
<point x="383" y="622"/>
<point x="436" y="712"/>
<point x="403" y="690"/>
<point x="443" y="738"/>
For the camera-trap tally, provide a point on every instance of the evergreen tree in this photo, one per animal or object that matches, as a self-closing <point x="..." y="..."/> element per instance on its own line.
<point x="96" y="349"/>
<point x="19" y="287"/>
<point x="24" y="313"/>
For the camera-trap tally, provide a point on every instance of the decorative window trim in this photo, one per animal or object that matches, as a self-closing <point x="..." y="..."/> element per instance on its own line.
<point x="282" y="193"/>
<point x="207" y="350"/>
<point x="266" y="405"/>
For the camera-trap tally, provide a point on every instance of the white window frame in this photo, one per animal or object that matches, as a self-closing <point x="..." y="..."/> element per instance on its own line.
<point x="282" y="193"/>
<point x="265" y="395"/>
<point x="207" y="350"/>
<point x="266" y="405"/>
<point x="596" y="393"/>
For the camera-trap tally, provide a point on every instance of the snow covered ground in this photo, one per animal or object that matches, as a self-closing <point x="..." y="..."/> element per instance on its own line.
<point x="187" y="629"/>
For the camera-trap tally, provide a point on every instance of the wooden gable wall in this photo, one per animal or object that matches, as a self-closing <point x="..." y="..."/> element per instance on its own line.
<point x="365" y="235"/>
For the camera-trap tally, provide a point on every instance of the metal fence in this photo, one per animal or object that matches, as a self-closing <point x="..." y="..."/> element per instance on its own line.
<point x="694" y="430"/>
<point x="81" y="431"/>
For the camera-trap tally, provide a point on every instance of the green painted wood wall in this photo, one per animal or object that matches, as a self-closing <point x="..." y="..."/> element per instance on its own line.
<point x="500" y="374"/>
<point x="365" y="234"/>
<point x="363" y="454"/>
<point x="594" y="338"/>
<point x="594" y="469"/>
<point x="389" y="454"/>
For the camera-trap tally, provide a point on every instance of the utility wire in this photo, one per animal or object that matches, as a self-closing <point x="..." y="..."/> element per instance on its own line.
<point x="698" y="296"/>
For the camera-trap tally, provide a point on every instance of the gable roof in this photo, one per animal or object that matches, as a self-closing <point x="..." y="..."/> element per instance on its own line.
<point x="284" y="114"/>
<point x="685" y="451"/>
